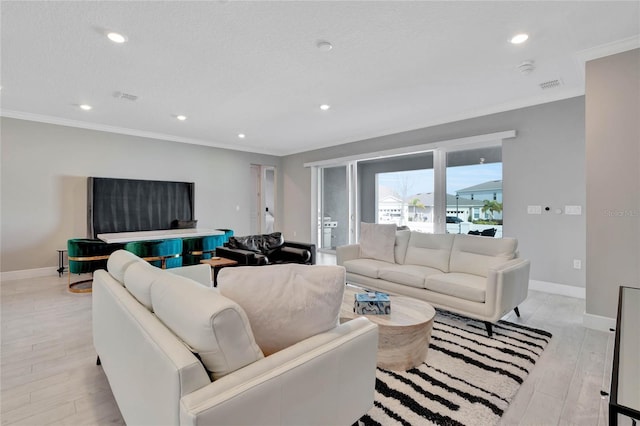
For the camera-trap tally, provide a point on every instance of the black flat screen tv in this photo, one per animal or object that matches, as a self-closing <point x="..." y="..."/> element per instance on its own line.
<point x="128" y="205"/>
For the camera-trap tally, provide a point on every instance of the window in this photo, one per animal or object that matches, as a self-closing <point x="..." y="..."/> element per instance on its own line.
<point x="402" y="191"/>
<point x="446" y="186"/>
<point x="474" y="184"/>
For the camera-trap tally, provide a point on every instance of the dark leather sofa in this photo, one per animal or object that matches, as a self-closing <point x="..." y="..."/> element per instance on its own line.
<point x="267" y="249"/>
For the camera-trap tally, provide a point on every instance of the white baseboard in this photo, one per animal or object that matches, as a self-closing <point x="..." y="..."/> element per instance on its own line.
<point x="594" y="322"/>
<point x="29" y="273"/>
<point x="561" y="289"/>
<point x="597" y="322"/>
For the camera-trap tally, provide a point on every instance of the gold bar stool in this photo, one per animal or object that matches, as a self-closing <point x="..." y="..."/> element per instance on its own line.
<point x="86" y="256"/>
<point x="161" y="253"/>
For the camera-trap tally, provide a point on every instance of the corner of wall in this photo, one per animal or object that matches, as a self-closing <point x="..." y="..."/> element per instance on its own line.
<point x="597" y="322"/>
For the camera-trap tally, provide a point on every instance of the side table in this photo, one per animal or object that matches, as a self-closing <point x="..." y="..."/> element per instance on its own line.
<point x="403" y="335"/>
<point x="61" y="266"/>
<point x="216" y="264"/>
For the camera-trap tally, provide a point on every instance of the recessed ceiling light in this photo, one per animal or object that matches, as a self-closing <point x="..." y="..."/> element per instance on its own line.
<point x="116" y="37"/>
<point x="519" y="38"/>
<point x="242" y="135"/>
<point x="181" y="117"/>
<point x="325" y="107"/>
<point x="85" y="107"/>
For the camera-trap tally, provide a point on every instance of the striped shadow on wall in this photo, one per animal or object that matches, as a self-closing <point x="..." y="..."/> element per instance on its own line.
<point x="468" y="378"/>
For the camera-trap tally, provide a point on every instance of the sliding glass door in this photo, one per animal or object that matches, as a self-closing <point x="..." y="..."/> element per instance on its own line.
<point x="451" y="186"/>
<point x="474" y="191"/>
<point x="399" y="190"/>
<point x="335" y="206"/>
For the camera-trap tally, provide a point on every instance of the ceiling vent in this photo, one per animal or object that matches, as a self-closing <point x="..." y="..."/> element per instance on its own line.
<point x="125" y="96"/>
<point x="551" y="84"/>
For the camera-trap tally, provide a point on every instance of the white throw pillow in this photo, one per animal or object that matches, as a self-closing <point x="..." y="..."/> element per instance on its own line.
<point x="285" y="303"/>
<point x="213" y="326"/>
<point x="377" y="241"/>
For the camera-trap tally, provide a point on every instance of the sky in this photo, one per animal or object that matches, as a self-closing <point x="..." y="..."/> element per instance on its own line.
<point x="421" y="181"/>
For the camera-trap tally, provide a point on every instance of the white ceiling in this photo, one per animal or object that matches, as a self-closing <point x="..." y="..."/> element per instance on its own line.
<point x="253" y="67"/>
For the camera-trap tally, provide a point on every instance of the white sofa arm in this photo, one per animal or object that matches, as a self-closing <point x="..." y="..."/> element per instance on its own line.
<point x="326" y="379"/>
<point x="507" y="287"/>
<point x="348" y="252"/>
<point x="200" y="273"/>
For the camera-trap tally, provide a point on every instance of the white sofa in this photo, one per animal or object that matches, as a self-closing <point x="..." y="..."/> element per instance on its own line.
<point x="478" y="277"/>
<point x="175" y="351"/>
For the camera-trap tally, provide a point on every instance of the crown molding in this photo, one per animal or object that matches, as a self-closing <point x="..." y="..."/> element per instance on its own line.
<point x="543" y="98"/>
<point x="20" y="115"/>
<point x="583" y="56"/>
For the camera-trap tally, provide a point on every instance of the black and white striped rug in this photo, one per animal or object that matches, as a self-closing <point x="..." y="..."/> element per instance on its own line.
<point x="468" y="378"/>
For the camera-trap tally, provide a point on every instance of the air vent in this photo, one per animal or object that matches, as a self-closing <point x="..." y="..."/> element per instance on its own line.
<point x="125" y="96"/>
<point x="551" y="84"/>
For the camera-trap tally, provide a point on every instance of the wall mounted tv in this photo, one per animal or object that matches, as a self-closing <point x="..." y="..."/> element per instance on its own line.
<point x="127" y="205"/>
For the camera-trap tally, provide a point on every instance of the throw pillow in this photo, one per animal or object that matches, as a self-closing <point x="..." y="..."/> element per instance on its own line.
<point x="377" y="241"/>
<point x="213" y="326"/>
<point x="183" y="224"/>
<point x="285" y="303"/>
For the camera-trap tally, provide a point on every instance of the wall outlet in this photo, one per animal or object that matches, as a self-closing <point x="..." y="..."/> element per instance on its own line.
<point x="577" y="264"/>
<point x="573" y="210"/>
<point x="534" y="209"/>
<point x="295" y="233"/>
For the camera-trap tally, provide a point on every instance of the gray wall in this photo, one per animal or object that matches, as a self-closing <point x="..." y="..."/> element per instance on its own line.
<point x="544" y="165"/>
<point x="613" y="179"/>
<point x="44" y="173"/>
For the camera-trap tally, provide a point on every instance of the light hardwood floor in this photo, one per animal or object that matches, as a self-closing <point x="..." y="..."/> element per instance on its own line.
<point x="49" y="376"/>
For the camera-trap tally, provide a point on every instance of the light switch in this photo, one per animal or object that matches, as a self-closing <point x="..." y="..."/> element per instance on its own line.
<point x="573" y="210"/>
<point x="534" y="209"/>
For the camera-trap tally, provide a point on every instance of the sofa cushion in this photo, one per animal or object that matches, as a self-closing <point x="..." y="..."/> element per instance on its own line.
<point x="118" y="263"/>
<point x="400" y="249"/>
<point x="286" y="303"/>
<point x="138" y="279"/>
<point x="377" y="241"/>
<point x="432" y="250"/>
<point x="463" y="286"/>
<point x="367" y="267"/>
<point x="411" y="275"/>
<point x="213" y="326"/>
<point x="475" y="255"/>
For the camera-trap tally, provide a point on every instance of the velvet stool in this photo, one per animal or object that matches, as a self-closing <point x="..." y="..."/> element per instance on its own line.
<point x="161" y="253"/>
<point x="196" y="249"/>
<point x="86" y="256"/>
<point x="228" y="233"/>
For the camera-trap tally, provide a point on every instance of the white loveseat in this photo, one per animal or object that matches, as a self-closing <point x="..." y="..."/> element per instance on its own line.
<point x="175" y="351"/>
<point x="478" y="277"/>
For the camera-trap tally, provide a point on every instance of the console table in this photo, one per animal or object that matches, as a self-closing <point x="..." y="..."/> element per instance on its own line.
<point x="624" y="398"/>
<point x="128" y="237"/>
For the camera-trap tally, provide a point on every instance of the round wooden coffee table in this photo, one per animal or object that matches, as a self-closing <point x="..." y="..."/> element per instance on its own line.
<point x="403" y="336"/>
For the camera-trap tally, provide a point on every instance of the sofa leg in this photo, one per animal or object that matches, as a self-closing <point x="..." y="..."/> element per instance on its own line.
<point x="98" y="362"/>
<point x="517" y="311"/>
<point x="489" y="328"/>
